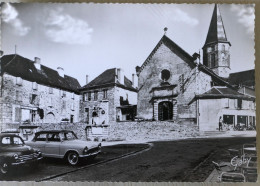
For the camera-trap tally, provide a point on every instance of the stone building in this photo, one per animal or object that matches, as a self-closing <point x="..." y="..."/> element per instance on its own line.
<point x="173" y="85"/>
<point x="109" y="97"/>
<point x="33" y="93"/>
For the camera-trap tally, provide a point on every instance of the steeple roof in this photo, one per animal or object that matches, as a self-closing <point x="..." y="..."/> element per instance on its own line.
<point x="216" y="31"/>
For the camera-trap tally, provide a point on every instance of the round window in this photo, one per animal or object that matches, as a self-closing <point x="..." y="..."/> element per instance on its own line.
<point x="165" y="75"/>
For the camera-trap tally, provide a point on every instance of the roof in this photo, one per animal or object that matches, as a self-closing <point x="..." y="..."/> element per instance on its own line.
<point x="19" y="66"/>
<point x="222" y="92"/>
<point x="174" y="48"/>
<point x="106" y="79"/>
<point x="216" y="32"/>
<point x="219" y="80"/>
<point x="246" y="78"/>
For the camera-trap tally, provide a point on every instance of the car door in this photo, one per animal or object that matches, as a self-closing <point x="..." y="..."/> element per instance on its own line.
<point x="52" y="147"/>
<point x="39" y="142"/>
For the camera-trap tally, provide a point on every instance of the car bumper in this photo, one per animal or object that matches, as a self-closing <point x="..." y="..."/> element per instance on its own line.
<point x="90" y="154"/>
<point x="27" y="161"/>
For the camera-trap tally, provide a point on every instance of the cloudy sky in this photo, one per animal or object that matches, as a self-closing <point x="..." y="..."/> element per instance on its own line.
<point x="90" y="38"/>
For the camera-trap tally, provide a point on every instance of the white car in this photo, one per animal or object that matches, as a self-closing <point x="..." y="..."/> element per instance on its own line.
<point x="64" y="144"/>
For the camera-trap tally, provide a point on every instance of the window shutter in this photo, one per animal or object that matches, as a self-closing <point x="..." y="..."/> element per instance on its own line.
<point x="17" y="114"/>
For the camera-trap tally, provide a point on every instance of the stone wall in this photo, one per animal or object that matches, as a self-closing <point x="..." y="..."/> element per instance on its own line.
<point x="150" y="77"/>
<point x="78" y="128"/>
<point x="56" y="104"/>
<point x="151" y="130"/>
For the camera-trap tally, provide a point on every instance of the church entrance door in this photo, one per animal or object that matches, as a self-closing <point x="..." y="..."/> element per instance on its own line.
<point x="165" y="110"/>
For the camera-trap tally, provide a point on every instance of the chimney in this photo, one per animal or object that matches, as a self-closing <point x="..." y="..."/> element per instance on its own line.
<point x="133" y="80"/>
<point x="60" y="71"/>
<point x="137" y="69"/>
<point x="37" y="63"/>
<point x="118" y="73"/>
<point x="86" y="79"/>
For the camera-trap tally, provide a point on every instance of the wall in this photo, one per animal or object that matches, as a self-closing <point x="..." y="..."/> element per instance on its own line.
<point x="48" y="102"/>
<point x="149" y="131"/>
<point x="150" y="77"/>
<point x="78" y="128"/>
<point x="106" y="104"/>
<point x="211" y="109"/>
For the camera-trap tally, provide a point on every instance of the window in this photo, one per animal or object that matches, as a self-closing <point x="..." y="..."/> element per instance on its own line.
<point x="104" y="94"/>
<point x="51" y="102"/>
<point x="181" y="83"/>
<point x="53" y="137"/>
<point x="239" y="103"/>
<point x="33" y="99"/>
<point x="95" y="95"/>
<point x="72" y="95"/>
<point x="50" y="90"/>
<point x="165" y="75"/>
<point x="63" y="94"/>
<point x="40" y="137"/>
<point x="17" y="117"/>
<point x="64" y="105"/>
<point x="19" y="81"/>
<point x="229" y="119"/>
<point x="209" y="49"/>
<point x="223" y="48"/>
<point x="72" y="106"/>
<point x="33" y="115"/>
<point x="34" y="85"/>
<point x="225" y="103"/>
<point x="18" y="96"/>
<point x="212" y="60"/>
<point x="89" y="96"/>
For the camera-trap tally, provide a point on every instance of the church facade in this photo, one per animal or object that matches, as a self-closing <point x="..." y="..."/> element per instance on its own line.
<point x="173" y="85"/>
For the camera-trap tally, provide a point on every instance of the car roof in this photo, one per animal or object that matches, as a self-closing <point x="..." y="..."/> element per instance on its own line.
<point x="53" y="131"/>
<point x="8" y="134"/>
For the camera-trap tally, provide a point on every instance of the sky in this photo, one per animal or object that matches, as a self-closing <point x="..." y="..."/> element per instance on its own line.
<point x="86" y="39"/>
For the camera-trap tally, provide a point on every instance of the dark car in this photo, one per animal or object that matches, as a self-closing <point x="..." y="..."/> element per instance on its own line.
<point x="13" y="152"/>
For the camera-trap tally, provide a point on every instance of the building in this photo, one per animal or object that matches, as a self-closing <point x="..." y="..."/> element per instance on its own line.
<point x="172" y="85"/>
<point x="32" y="93"/>
<point x="109" y="97"/>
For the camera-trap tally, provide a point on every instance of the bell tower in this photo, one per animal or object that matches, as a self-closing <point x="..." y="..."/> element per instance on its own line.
<point x="216" y="55"/>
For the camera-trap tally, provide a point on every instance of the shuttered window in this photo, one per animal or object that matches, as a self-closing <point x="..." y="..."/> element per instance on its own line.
<point x="17" y="114"/>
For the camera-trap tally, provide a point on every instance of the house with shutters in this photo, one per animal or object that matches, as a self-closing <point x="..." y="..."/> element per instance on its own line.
<point x="173" y="85"/>
<point x="109" y="97"/>
<point x="34" y="93"/>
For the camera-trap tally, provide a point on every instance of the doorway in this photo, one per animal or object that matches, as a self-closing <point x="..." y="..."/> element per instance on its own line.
<point x="165" y="110"/>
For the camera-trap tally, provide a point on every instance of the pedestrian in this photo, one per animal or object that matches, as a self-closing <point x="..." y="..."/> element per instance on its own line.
<point x="220" y="123"/>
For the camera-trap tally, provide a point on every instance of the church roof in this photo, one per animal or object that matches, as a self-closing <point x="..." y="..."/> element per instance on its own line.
<point x="246" y="78"/>
<point x="174" y="48"/>
<point x="19" y="66"/>
<point x="216" y="32"/>
<point x="106" y="79"/>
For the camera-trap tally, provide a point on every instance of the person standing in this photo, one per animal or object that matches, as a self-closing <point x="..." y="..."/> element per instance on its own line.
<point x="220" y="123"/>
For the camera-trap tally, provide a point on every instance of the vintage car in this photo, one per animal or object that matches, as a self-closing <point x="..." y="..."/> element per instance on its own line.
<point x="64" y="144"/>
<point x="14" y="152"/>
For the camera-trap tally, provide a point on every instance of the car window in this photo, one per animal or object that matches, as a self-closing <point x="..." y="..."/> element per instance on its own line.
<point x="41" y="137"/>
<point x="53" y="137"/>
<point x="68" y="136"/>
<point x="6" y="140"/>
<point x="17" y="141"/>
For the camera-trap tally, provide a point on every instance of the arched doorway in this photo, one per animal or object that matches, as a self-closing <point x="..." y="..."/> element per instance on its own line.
<point x="50" y="118"/>
<point x="165" y="110"/>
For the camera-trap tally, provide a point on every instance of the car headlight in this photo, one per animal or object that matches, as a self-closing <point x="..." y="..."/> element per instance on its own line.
<point x="15" y="156"/>
<point x="85" y="150"/>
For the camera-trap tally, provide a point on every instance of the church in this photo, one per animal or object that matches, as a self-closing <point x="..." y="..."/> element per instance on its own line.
<point x="173" y="85"/>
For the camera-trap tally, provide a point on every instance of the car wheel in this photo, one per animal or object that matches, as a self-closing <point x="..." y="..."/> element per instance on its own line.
<point x="4" y="168"/>
<point x="73" y="158"/>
